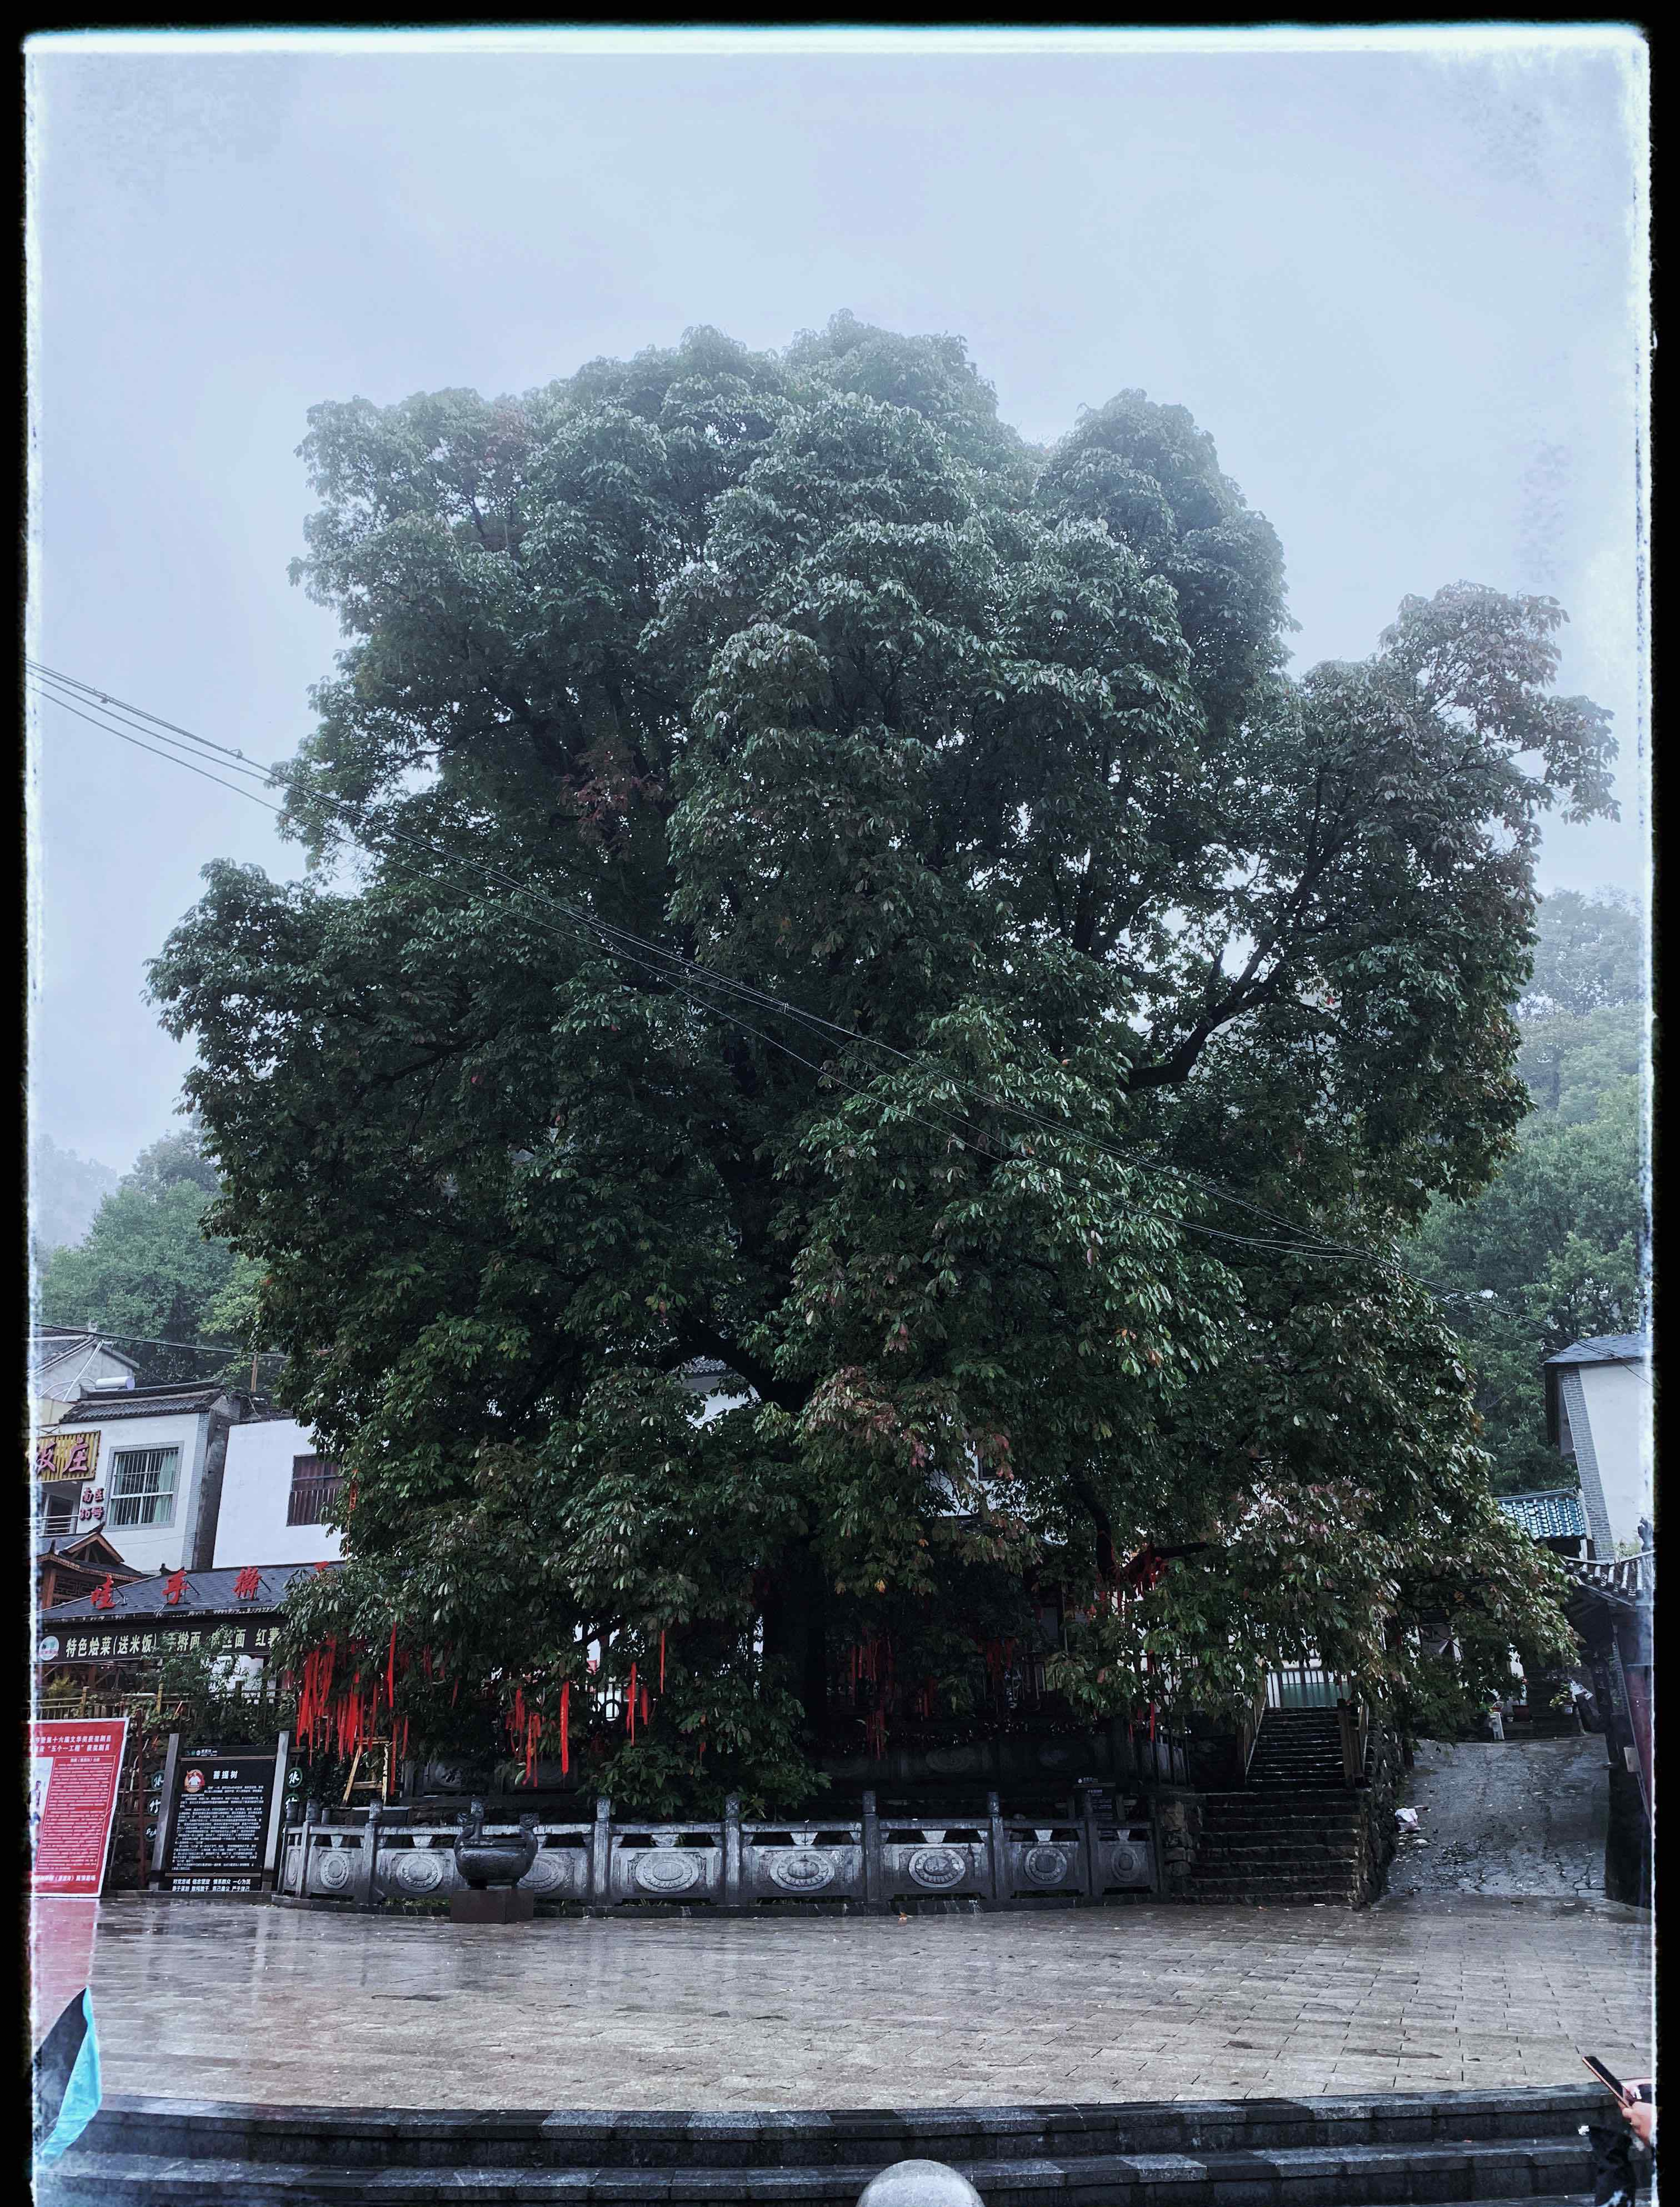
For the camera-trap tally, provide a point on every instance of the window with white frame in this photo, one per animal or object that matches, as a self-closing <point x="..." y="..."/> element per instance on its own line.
<point x="142" y="1487"/>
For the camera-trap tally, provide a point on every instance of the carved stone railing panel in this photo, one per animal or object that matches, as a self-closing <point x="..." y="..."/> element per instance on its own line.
<point x="802" y="1862"/>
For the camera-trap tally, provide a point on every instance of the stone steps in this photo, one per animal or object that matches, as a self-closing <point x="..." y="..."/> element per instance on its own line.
<point x="1290" y="1837"/>
<point x="1248" y="1812"/>
<point x="1294" y="1892"/>
<point x="1370" y="2152"/>
<point x="1357" y="2176"/>
<point x="1286" y="1846"/>
<point x="1298" y="1747"/>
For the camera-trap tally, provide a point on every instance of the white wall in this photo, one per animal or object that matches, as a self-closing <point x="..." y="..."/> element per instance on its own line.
<point x="710" y="1401"/>
<point x="1618" y="1403"/>
<point x="256" y="1486"/>
<point x="151" y="1547"/>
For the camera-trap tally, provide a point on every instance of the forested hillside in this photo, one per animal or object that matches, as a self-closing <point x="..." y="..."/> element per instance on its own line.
<point x="65" y="1191"/>
<point x="146" y="1274"/>
<point x="1551" y="1251"/>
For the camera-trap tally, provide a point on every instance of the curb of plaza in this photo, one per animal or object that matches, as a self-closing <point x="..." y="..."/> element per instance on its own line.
<point x="1387" y="2147"/>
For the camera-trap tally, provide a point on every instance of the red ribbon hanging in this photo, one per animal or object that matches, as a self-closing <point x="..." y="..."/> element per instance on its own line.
<point x="390" y="1672"/>
<point x="565" y="1728"/>
<point x="630" y="1702"/>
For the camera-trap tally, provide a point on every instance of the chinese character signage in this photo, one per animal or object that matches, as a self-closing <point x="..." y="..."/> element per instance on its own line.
<point x="72" y="1778"/>
<point x="67" y="1455"/>
<point x="218" y="1839"/>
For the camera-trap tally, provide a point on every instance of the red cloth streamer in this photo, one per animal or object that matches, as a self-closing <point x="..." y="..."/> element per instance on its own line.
<point x="316" y="1711"/>
<point x="565" y="1728"/>
<point x="644" y="1705"/>
<point x="390" y="1672"/>
<point x="1152" y="1719"/>
<point x="630" y="1701"/>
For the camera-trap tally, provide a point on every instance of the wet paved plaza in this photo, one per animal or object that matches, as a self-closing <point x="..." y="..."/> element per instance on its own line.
<point x="246" y="2001"/>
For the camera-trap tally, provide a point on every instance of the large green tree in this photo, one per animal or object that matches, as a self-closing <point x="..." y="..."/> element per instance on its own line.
<point x="1142" y="996"/>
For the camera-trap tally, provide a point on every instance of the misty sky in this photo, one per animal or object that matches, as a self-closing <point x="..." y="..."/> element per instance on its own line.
<point x="1403" y="290"/>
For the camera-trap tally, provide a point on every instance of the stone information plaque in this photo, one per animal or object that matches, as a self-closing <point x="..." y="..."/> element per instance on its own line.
<point x="218" y="1821"/>
<point x="74" y="1774"/>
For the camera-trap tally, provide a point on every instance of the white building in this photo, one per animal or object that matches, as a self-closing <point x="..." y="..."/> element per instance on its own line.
<point x="275" y="1489"/>
<point x="145" y="1464"/>
<point x="1598" y="1406"/>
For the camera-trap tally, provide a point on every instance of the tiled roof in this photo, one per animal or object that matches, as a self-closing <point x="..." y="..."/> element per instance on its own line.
<point x="145" y="1402"/>
<point x="1554" y="1514"/>
<point x="202" y="1593"/>
<point x="1607" y="1349"/>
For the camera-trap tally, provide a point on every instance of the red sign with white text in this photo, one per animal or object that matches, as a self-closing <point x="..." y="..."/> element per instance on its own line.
<point x="72" y="1779"/>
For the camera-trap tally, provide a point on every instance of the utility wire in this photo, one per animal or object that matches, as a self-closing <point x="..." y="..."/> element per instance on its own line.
<point x="203" y="1347"/>
<point x="664" y="964"/>
<point x="661" y="962"/>
<point x="625" y="943"/>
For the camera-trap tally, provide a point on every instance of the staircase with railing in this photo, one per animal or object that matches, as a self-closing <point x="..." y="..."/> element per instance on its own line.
<point x="1295" y="1831"/>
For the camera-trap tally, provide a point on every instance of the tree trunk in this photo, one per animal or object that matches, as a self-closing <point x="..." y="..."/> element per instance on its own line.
<point x="796" y="1609"/>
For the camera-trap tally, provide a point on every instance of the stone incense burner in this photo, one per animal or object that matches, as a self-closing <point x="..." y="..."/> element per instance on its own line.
<point x="488" y="1862"/>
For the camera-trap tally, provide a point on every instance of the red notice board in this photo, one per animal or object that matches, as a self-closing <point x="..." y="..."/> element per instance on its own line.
<point x="73" y="1779"/>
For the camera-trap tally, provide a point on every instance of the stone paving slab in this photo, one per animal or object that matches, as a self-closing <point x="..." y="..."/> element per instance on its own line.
<point x="290" y="2006"/>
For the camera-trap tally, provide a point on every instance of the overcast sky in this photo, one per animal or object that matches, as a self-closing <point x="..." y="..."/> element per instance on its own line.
<point x="1402" y="288"/>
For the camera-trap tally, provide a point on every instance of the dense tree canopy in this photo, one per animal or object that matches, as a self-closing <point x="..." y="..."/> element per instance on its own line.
<point x="1096" y="926"/>
<point x="1552" y="1251"/>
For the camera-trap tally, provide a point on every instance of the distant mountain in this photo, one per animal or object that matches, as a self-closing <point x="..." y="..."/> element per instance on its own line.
<point x="65" y="1191"/>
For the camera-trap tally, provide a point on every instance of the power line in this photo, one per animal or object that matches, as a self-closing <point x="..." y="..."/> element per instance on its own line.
<point x="658" y="960"/>
<point x="665" y="965"/>
<point x="148" y="1341"/>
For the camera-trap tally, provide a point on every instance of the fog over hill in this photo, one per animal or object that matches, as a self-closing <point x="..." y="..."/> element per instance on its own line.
<point x="65" y="1191"/>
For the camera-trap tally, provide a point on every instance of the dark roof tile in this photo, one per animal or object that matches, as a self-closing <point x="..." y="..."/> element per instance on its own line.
<point x="203" y="1593"/>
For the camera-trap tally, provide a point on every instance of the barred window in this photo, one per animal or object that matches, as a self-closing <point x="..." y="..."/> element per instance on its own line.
<point x="314" y="1483"/>
<point x="142" y="1485"/>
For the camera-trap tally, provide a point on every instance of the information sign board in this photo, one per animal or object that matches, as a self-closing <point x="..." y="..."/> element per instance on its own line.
<point x="218" y="1820"/>
<point x="74" y="1770"/>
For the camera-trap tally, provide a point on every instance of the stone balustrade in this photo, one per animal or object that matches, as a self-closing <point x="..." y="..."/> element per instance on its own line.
<point x="876" y="1863"/>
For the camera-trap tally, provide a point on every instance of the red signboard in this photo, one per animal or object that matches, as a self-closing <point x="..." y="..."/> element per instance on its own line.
<point x="73" y="1781"/>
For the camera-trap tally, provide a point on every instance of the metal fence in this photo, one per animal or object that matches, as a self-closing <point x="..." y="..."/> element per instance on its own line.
<point x="1306" y="1686"/>
<point x="878" y="1862"/>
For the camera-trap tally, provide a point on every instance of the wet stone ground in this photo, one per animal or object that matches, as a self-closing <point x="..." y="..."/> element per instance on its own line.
<point x="1517" y="1819"/>
<point x="234" y="2000"/>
